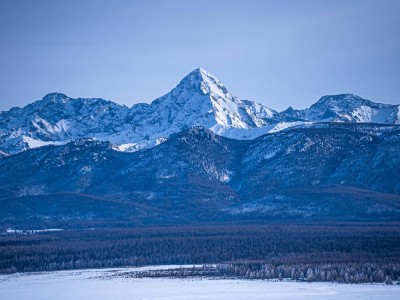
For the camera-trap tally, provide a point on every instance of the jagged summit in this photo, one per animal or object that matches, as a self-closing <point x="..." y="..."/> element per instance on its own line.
<point x="342" y="101"/>
<point x="200" y="99"/>
<point x="203" y="81"/>
<point x="345" y="108"/>
<point x="55" y="96"/>
<point x="198" y="75"/>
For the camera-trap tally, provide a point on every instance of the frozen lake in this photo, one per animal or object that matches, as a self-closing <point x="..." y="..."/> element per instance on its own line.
<point x="100" y="285"/>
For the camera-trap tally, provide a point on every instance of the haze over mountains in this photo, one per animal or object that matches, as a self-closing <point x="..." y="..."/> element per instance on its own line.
<point x="198" y="154"/>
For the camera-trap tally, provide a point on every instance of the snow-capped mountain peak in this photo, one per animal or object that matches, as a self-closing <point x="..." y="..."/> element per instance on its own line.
<point x="203" y="81"/>
<point x="199" y="81"/>
<point x="201" y="99"/>
<point x="56" y="98"/>
<point x="345" y="108"/>
<point x="341" y="103"/>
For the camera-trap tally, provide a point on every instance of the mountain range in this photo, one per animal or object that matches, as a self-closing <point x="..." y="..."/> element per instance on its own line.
<point x="197" y="154"/>
<point x="200" y="99"/>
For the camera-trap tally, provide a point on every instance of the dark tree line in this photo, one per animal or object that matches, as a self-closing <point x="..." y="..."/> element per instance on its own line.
<point x="336" y="272"/>
<point x="365" y="252"/>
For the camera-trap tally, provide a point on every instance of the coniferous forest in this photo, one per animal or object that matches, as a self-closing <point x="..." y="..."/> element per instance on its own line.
<point x="339" y="252"/>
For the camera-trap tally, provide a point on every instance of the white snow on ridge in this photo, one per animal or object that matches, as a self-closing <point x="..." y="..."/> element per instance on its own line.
<point x="3" y="154"/>
<point x="100" y="285"/>
<point x="128" y="147"/>
<point x="349" y="108"/>
<point x="200" y="99"/>
<point x="34" y="143"/>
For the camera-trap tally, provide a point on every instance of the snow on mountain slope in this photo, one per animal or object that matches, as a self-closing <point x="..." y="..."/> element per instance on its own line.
<point x="3" y="154"/>
<point x="57" y="119"/>
<point x="346" y="108"/>
<point x="200" y="99"/>
<point x="198" y="175"/>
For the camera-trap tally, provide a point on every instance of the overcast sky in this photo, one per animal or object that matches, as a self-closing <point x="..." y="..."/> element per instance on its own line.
<point x="278" y="53"/>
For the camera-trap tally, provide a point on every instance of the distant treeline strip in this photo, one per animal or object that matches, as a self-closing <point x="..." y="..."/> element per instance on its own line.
<point x="336" y="272"/>
<point x="286" y="246"/>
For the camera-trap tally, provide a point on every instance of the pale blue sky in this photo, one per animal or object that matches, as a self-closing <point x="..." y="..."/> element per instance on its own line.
<point x="278" y="53"/>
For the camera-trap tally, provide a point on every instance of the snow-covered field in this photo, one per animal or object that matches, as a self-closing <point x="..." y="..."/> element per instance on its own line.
<point x="101" y="285"/>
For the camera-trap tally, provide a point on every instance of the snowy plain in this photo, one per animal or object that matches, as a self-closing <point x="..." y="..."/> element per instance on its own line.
<point x="102" y="284"/>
